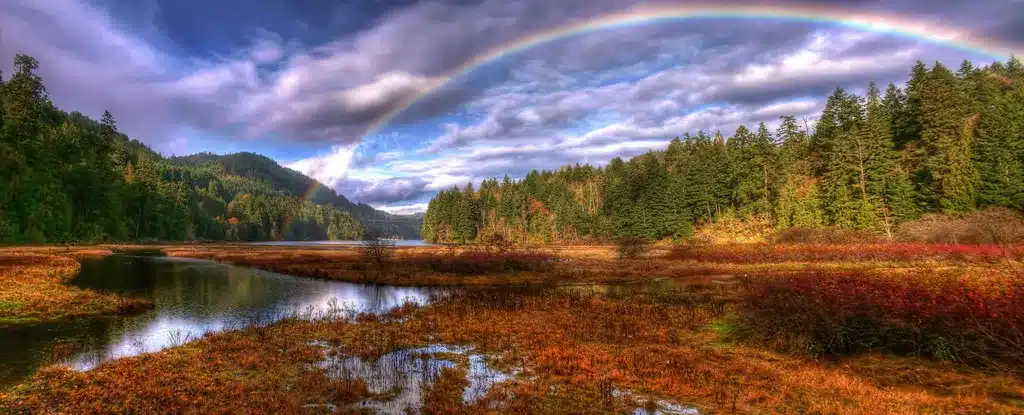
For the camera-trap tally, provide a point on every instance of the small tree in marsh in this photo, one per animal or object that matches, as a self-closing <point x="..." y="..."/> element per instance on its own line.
<point x="377" y="249"/>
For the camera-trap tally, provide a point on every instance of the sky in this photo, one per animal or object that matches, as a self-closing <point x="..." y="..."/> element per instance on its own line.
<point x="389" y="102"/>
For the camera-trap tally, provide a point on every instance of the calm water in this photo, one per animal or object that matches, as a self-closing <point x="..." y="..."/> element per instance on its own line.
<point x="327" y="243"/>
<point x="191" y="297"/>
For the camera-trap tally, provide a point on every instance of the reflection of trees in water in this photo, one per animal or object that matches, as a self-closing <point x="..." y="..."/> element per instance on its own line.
<point x="404" y="375"/>
<point x="190" y="297"/>
<point x="25" y="349"/>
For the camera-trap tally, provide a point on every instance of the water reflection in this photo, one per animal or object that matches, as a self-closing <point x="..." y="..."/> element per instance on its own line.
<point x="191" y="297"/>
<point x="401" y="377"/>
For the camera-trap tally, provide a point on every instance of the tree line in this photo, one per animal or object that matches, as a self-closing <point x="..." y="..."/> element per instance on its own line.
<point x="945" y="142"/>
<point x="65" y="177"/>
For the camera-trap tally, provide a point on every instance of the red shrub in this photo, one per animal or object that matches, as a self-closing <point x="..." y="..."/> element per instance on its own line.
<point x="765" y="253"/>
<point x="977" y="319"/>
<point x="481" y="262"/>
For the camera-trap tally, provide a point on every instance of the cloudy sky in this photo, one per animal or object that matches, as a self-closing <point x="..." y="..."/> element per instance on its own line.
<point x="325" y="86"/>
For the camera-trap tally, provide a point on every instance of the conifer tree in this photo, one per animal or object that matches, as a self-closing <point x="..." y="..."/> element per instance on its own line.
<point x="946" y="131"/>
<point x="997" y="145"/>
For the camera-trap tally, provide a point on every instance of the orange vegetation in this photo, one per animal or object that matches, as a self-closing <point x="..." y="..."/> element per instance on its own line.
<point x="975" y="318"/>
<point x="540" y="265"/>
<point x="578" y="349"/>
<point x="32" y="287"/>
<point x="575" y="350"/>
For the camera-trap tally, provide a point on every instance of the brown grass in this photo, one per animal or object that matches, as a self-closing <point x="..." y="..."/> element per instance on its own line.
<point x="33" y="289"/>
<point x="574" y="349"/>
<point x="475" y="266"/>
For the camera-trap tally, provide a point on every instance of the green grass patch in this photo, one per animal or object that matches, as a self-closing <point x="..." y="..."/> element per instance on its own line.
<point x="11" y="305"/>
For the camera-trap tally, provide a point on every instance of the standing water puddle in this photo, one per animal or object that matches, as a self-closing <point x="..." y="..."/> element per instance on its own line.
<point x="654" y="406"/>
<point x="191" y="297"/>
<point x="402" y="377"/>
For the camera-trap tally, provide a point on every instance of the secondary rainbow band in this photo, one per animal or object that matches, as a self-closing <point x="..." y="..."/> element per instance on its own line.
<point x="875" y="22"/>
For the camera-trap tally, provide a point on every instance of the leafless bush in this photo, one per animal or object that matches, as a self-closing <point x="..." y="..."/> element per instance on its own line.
<point x="377" y="249"/>
<point x="632" y="247"/>
<point x="998" y="226"/>
<point x="988" y="226"/>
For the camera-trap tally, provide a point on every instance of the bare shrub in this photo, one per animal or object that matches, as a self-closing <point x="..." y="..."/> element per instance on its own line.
<point x="988" y="226"/>
<point x="632" y="247"/>
<point x="998" y="226"/>
<point x="377" y="249"/>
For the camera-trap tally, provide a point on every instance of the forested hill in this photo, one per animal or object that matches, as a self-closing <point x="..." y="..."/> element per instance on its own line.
<point x="259" y="167"/>
<point x="948" y="141"/>
<point x="65" y="177"/>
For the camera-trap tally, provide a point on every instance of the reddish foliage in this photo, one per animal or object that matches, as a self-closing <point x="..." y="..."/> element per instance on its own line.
<point x="766" y="253"/>
<point x="477" y="262"/>
<point x="974" y="319"/>
<point x="536" y="206"/>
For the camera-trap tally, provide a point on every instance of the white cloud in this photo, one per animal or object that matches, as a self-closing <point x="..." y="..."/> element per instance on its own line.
<point x="585" y="98"/>
<point x="329" y="169"/>
<point x="404" y="209"/>
<point x="794" y="108"/>
<point x="813" y="61"/>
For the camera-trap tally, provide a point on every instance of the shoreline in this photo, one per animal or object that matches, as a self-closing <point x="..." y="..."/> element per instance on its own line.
<point x="35" y="286"/>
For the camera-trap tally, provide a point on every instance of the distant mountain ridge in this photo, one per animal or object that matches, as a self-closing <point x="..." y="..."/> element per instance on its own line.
<point x="69" y="178"/>
<point x="259" y="167"/>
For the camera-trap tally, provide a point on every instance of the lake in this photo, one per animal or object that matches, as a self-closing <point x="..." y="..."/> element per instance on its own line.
<point x="191" y="297"/>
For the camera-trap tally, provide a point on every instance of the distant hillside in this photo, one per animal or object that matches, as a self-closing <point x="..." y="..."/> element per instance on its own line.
<point x="255" y="166"/>
<point x="68" y="178"/>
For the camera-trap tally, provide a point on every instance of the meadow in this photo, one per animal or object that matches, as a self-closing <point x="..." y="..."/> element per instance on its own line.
<point x="752" y="328"/>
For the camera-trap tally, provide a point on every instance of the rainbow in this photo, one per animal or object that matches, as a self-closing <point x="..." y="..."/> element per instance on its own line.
<point x="875" y="22"/>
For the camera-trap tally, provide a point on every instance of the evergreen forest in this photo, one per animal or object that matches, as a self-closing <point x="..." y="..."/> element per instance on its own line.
<point x="948" y="141"/>
<point x="65" y="177"/>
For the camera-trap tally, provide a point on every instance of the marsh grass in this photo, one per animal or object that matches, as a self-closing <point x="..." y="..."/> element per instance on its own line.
<point x="851" y="253"/>
<point x="577" y="347"/>
<point x="574" y="348"/>
<point x="33" y="287"/>
<point x="973" y="318"/>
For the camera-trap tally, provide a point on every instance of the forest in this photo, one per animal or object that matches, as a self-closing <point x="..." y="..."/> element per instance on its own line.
<point x="68" y="178"/>
<point x="946" y="142"/>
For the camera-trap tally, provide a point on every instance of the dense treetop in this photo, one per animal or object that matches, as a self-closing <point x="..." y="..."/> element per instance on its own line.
<point x="947" y="141"/>
<point x="66" y="177"/>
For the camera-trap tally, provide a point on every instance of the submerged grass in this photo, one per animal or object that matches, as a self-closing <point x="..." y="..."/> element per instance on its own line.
<point x="33" y="287"/>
